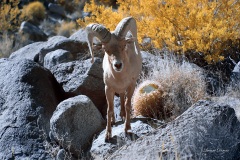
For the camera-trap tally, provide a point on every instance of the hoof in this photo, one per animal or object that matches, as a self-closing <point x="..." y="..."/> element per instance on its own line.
<point x="131" y="136"/>
<point x="108" y="136"/>
<point x="122" y="115"/>
<point x="129" y="133"/>
<point x="128" y="130"/>
<point x="108" y="140"/>
<point x="123" y="118"/>
<point x="113" y="123"/>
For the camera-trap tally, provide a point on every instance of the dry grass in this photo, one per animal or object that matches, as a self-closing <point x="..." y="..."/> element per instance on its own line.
<point x="182" y="83"/>
<point x="61" y="149"/>
<point x="233" y="89"/>
<point x="10" y="43"/>
<point x="6" y="44"/>
<point x="54" y="149"/>
<point x="34" y="11"/>
<point x="66" y="28"/>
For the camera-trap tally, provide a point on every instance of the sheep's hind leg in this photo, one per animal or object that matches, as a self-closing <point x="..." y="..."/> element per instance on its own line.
<point x="122" y="112"/>
<point x="109" y="96"/>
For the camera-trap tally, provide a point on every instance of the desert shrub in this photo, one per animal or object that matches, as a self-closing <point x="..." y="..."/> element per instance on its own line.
<point x="204" y="26"/>
<point x="10" y="43"/>
<point x="9" y="16"/>
<point x="66" y="28"/>
<point x="34" y="12"/>
<point x="6" y="45"/>
<point x="182" y="83"/>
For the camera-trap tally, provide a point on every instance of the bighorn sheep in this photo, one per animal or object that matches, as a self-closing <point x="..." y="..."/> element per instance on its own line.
<point x="122" y="65"/>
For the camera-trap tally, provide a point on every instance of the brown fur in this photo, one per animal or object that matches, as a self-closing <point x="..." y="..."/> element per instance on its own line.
<point x="122" y="82"/>
<point x="124" y="50"/>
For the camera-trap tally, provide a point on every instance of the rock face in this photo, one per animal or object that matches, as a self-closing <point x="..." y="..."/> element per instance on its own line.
<point x="140" y="127"/>
<point x="56" y="9"/>
<point x="83" y="77"/>
<point x="29" y="95"/>
<point x="80" y="35"/>
<point x="37" y="51"/>
<point x="34" y="32"/>
<point x="207" y="130"/>
<point x="235" y="77"/>
<point x="74" y="123"/>
<point x="56" y="57"/>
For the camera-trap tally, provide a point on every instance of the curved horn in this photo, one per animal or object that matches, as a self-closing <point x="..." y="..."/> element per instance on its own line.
<point x="125" y="25"/>
<point x="99" y="31"/>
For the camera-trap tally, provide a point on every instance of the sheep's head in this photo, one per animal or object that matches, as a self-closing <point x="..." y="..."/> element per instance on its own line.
<point x="114" y="43"/>
<point x="117" y="51"/>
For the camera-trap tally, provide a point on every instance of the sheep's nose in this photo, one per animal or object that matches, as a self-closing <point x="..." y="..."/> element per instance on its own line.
<point x="118" y="65"/>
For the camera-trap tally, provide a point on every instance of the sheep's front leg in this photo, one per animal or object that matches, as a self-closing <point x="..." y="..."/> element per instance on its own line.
<point x="110" y="110"/>
<point x="122" y="112"/>
<point x="129" y="95"/>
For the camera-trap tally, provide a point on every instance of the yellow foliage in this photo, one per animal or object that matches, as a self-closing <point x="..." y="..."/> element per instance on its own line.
<point x="9" y="16"/>
<point x="34" y="11"/>
<point x="202" y="25"/>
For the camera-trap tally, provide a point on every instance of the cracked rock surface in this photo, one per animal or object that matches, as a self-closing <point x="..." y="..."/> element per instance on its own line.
<point x="29" y="95"/>
<point x="83" y="78"/>
<point x="207" y="130"/>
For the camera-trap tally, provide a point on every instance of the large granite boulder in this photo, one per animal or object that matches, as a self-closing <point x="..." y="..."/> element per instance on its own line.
<point x="207" y="130"/>
<point x="235" y="77"/>
<point x="56" y="57"/>
<point x="75" y="122"/>
<point x="56" y="9"/>
<point x="37" y="51"/>
<point x="140" y="127"/>
<point x="83" y="77"/>
<point x="29" y="95"/>
<point x="33" y="32"/>
<point x="80" y="35"/>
